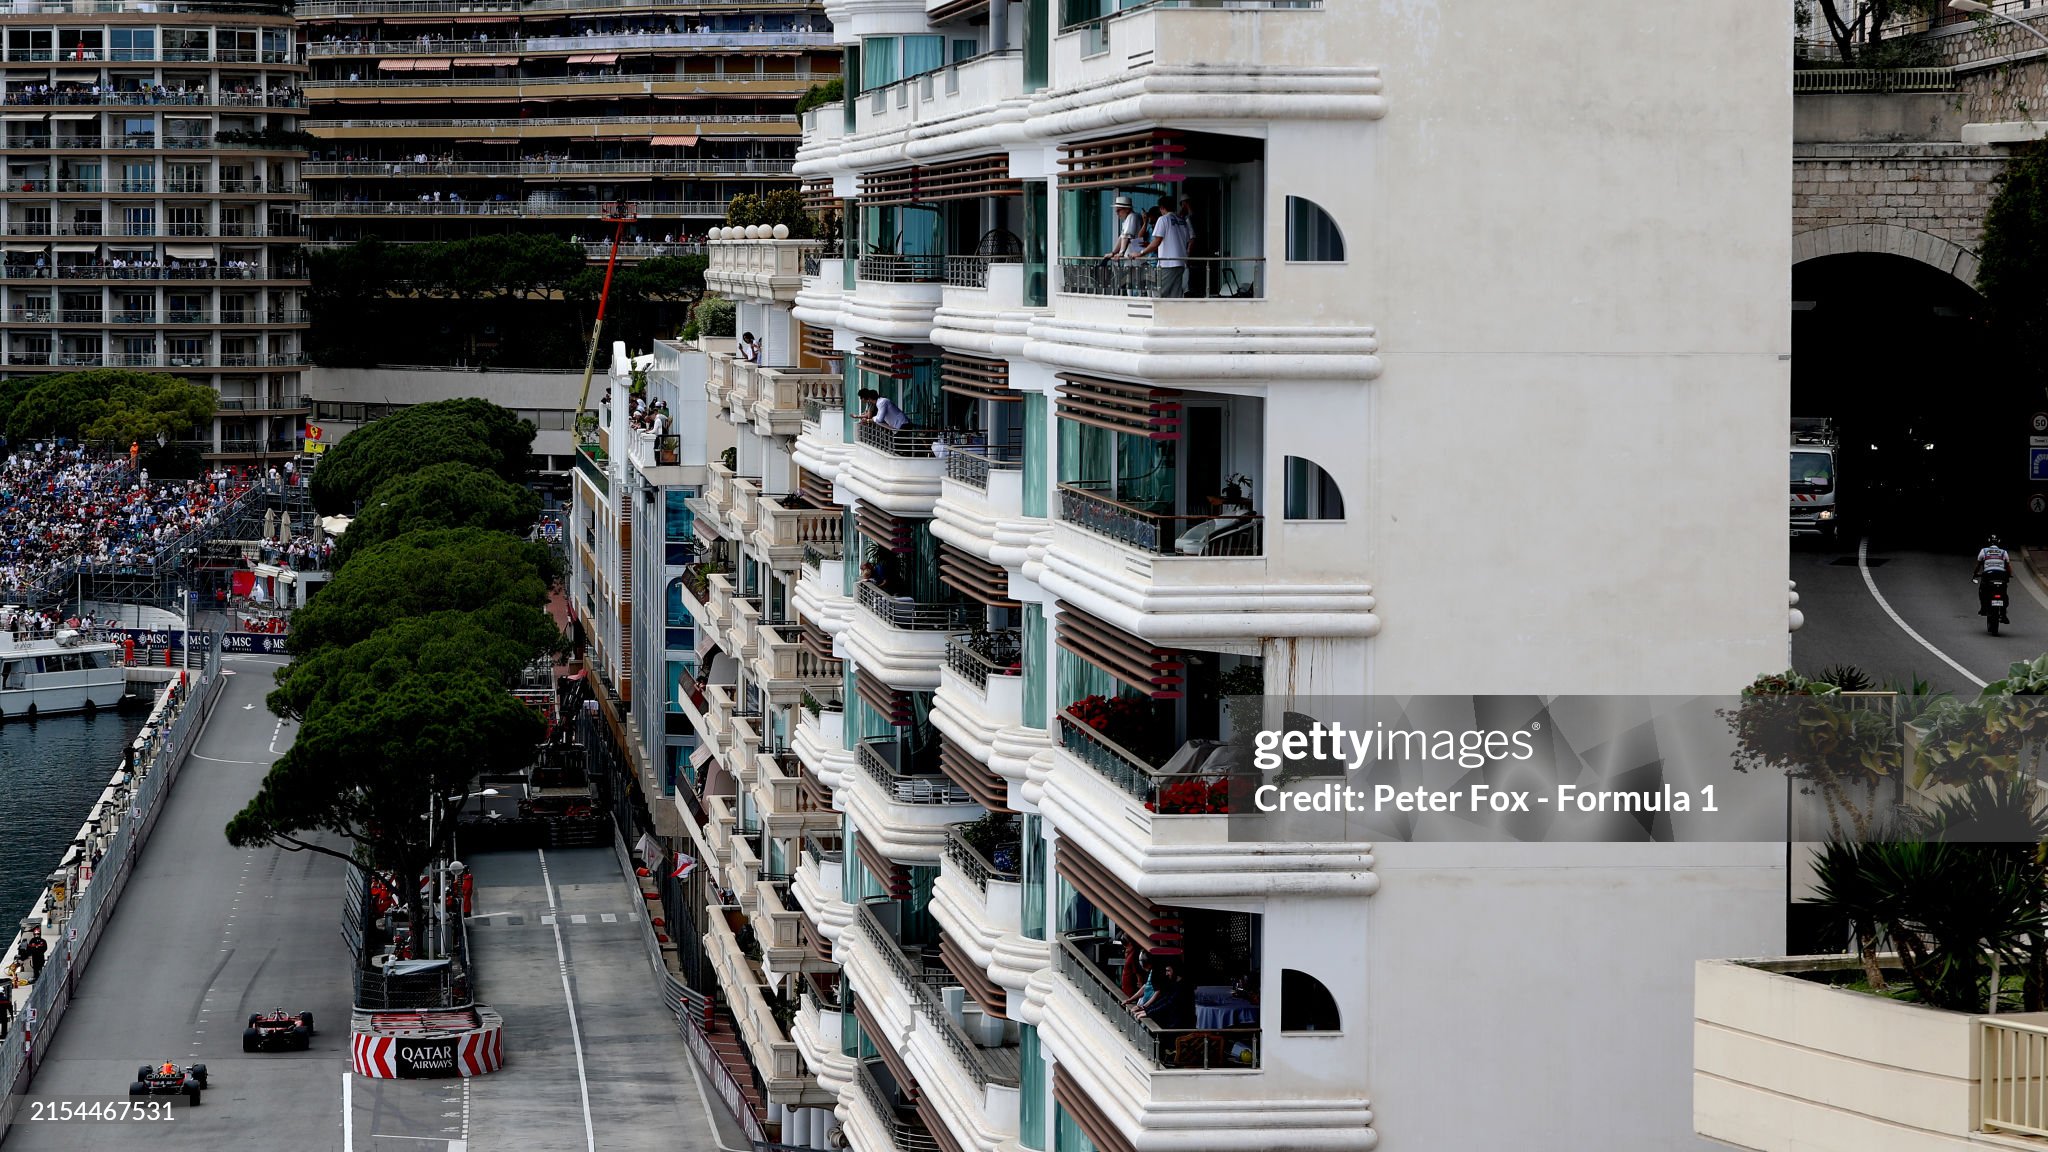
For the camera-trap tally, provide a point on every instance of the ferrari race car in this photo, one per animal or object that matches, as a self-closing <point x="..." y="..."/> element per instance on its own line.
<point x="278" y="1031"/>
<point x="168" y="1079"/>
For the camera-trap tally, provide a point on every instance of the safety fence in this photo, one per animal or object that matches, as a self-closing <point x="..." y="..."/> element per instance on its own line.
<point x="80" y="915"/>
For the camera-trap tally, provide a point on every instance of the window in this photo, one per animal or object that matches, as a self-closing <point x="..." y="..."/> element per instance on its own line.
<point x="877" y="62"/>
<point x="1311" y="494"/>
<point x="132" y="43"/>
<point x="1031" y="1089"/>
<point x="1306" y="1005"/>
<point x="965" y="50"/>
<point x="1033" y="849"/>
<point x="1312" y="237"/>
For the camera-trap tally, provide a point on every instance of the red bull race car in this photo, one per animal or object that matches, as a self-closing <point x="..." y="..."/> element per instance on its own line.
<point x="169" y="1079"/>
<point x="278" y="1031"/>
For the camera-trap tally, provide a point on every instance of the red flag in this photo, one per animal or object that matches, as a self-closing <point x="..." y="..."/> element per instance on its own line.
<point x="684" y="865"/>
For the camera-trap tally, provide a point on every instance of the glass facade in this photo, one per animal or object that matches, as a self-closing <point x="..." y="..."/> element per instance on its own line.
<point x="1034" y="877"/>
<point x="1032" y="1089"/>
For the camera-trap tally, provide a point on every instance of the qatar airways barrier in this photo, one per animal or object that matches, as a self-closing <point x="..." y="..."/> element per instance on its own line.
<point x="427" y="1046"/>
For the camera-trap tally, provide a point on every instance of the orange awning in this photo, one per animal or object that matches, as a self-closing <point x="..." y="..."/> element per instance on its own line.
<point x="582" y="59"/>
<point x="430" y="65"/>
<point x="394" y="66"/>
<point x="673" y="141"/>
<point x="605" y="58"/>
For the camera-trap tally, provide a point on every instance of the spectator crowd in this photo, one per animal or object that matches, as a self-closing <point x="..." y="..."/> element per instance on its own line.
<point x="61" y="505"/>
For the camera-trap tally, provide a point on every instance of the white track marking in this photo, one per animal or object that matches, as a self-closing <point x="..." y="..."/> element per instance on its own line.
<point x="348" y="1113"/>
<point x="569" y="997"/>
<point x="1870" y="582"/>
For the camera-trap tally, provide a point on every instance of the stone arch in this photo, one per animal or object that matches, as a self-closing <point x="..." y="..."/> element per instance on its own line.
<point x="1890" y="239"/>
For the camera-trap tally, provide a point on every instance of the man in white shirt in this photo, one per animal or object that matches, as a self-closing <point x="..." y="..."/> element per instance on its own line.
<point x="888" y="415"/>
<point x="1171" y="238"/>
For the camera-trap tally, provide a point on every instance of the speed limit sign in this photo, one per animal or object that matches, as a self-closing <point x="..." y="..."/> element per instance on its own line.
<point x="2040" y="422"/>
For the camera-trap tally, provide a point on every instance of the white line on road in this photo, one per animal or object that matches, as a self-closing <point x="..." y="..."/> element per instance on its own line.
<point x="348" y="1114"/>
<point x="1870" y="582"/>
<point x="575" y="1032"/>
<point x="218" y="760"/>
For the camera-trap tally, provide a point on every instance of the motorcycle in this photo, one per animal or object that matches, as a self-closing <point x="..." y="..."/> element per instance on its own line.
<point x="1991" y="600"/>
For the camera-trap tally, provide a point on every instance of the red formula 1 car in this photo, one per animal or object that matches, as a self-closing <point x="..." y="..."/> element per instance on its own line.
<point x="278" y="1031"/>
<point x="168" y="1079"/>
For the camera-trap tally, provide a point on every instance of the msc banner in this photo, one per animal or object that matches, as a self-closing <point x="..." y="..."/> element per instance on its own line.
<point x="258" y="643"/>
<point x="1806" y="765"/>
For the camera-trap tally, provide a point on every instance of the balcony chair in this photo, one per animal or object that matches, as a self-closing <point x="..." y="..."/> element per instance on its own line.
<point x="1000" y="243"/>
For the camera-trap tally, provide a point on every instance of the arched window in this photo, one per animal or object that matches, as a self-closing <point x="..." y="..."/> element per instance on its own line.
<point x="1312" y="237"/>
<point x="1311" y="493"/>
<point x="1305" y="1005"/>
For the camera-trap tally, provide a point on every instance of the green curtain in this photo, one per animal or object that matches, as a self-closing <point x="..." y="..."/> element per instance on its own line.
<point x="849" y="552"/>
<point x="1034" y="878"/>
<point x="1034" y="658"/>
<point x="919" y="927"/>
<point x="878" y="62"/>
<point x="1078" y="680"/>
<point x="925" y="585"/>
<point x="1086" y="455"/>
<point x="1144" y="472"/>
<point x="923" y="54"/>
<point x="1067" y="1135"/>
<point x="1032" y="1089"/>
<point x="1036" y="427"/>
<point x="1037" y="47"/>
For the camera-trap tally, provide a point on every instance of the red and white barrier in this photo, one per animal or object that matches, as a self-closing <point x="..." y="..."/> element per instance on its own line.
<point x="414" y="1046"/>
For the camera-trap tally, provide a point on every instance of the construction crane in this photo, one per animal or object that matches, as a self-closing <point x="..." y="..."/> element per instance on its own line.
<point x="618" y="216"/>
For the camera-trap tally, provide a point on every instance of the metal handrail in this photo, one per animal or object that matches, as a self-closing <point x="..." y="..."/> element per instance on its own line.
<point x="522" y="45"/>
<point x="1162" y="1046"/>
<point x="650" y="166"/>
<point x="1201" y="277"/>
<point x="1163" y="533"/>
<point x="677" y="124"/>
<point x="909" y="443"/>
<point x="971" y="466"/>
<point x="520" y="208"/>
<point x="818" y="551"/>
<point x="904" y="787"/>
<point x="894" y="268"/>
<point x="915" y="616"/>
<point x="978" y="869"/>
<point x="1130" y="771"/>
<point x="976" y="656"/>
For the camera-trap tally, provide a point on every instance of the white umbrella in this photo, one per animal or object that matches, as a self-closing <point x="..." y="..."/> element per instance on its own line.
<point x="269" y="524"/>
<point x="284" y="527"/>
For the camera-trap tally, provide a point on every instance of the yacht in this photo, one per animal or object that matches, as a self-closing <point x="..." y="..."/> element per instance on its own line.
<point x="43" y="673"/>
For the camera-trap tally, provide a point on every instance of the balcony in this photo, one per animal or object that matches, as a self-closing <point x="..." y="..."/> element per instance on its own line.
<point x="781" y="927"/>
<point x="790" y="803"/>
<point x="976" y="657"/>
<point x="515" y="209"/>
<point x="658" y="458"/>
<point x="780" y="397"/>
<point x="788" y="667"/>
<point x="554" y="127"/>
<point x="745" y="513"/>
<point x="1193" y="779"/>
<point x="898" y="1124"/>
<point x="1237" y="531"/>
<point x="787" y="526"/>
<point x="763" y="1018"/>
<point x="758" y="269"/>
<point x="930" y="987"/>
<point x="892" y="268"/>
<point x="1200" y="278"/>
<point x="1786" y="1056"/>
<point x="1206" y="1032"/>
<point x="883" y="761"/>
<point x="907" y="615"/>
<point x="404" y="169"/>
<point x="972" y="467"/>
<point x="1099" y="43"/>
<point x="931" y="104"/>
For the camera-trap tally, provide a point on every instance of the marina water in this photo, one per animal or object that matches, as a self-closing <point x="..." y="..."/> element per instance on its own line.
<point x="51" y="771"/>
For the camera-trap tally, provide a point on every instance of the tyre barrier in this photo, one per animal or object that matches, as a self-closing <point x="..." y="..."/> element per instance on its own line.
<point x="427" y="1045"/>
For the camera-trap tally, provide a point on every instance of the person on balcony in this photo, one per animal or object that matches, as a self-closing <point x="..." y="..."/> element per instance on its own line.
<point x="1172" y="1003"/>
<point x="750" y="349"/>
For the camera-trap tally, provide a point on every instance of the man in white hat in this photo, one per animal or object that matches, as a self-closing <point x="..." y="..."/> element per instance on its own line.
<point x="1130" y="234"/>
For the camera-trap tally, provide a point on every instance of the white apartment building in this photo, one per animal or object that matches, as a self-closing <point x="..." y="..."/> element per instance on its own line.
<point x="1472" y="382"/>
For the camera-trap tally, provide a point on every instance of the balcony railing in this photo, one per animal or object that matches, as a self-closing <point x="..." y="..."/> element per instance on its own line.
<point x="908" y="443"/>
<point x="821" y="394"/>
<point x="981" y="1065"/>
<point x="2014" y="1095"/>
<point x="910" y="615"/>
<point x="664" y="121"/>
<point x="1195" y="791"/>
<point x="517" y="208"/>
<point x="817" y="552"/>
<point x="905" y="1134"/>
<point x="878" y="759"/>
<point x="1203" y="278"/>
<point x="978" y="869"/>
<point x="1180" y="1048"/>
<point x="892" y="268"/>
<point x="1166" y="534"/>
<point x="971" y="466"/>
<point x="972" y="271"/>
<point x="648" y="166"/>
<point x="976" y="656"/>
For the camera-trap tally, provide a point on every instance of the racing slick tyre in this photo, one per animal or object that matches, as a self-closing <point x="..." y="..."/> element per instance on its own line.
<point x="250" y="1039"/>
<point x="305" y="1039"/>
<point x="138" y="1089"/>
<point x="306" y="1018"/>
<point x="192" y="1097"/>
<point x="142" y="1073"/>
<point x="197" y="1072"/>
<point x="254" y="1017"/>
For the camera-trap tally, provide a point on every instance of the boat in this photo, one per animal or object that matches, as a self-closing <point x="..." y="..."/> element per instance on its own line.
<point x="43" y="673"/>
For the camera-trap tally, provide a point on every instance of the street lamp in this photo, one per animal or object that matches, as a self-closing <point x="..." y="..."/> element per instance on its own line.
<point x="440" y="910"/>
<point x="1979" y="8"/>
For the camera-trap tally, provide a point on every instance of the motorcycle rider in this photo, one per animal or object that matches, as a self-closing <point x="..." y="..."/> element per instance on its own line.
<point x="1994" y="565"/>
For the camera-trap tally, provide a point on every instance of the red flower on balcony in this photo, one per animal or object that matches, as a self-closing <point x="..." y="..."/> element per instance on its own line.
<point x="1123" y="719"/>
<point x="1193" y="798"/>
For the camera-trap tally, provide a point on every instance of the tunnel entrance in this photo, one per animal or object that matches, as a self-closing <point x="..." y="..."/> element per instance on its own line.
<point x="1933" y="423"/>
